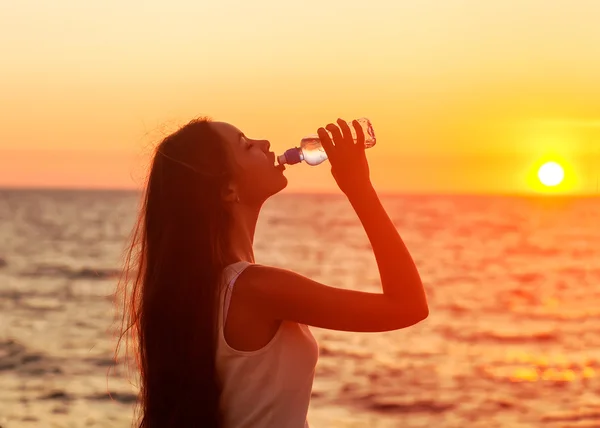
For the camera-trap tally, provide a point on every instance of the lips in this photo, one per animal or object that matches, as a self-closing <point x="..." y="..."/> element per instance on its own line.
<point x="273" y="159"/>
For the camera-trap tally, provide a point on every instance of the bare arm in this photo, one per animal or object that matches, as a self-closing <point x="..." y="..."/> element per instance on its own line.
<point x="279" y="294"/>
<point x="400" y="278"/>
<point x="284" y="295"/>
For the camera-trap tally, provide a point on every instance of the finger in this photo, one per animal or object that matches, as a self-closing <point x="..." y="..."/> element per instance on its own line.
<point x="326" y="143"/>
<point x="348" y="138"/>
<point x="338" y="139"/>
<point x="360" y="135"/>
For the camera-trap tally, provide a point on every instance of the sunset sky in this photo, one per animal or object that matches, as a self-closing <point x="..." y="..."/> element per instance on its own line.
<point x="465" y="96"/>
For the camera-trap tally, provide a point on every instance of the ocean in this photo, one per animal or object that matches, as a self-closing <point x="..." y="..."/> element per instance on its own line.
<point x="512" y="340"/>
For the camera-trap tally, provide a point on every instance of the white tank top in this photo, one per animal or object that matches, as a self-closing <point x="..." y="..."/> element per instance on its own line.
<point x="269" y="387"/>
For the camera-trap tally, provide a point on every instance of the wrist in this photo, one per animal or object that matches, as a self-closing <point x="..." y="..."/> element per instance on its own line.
<point x="363" y="194"/>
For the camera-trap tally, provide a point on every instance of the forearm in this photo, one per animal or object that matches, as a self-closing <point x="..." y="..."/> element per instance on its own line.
<point x="400" y="278"/>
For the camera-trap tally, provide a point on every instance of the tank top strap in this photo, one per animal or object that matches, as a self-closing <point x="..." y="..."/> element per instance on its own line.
<point x="230" y="275"/>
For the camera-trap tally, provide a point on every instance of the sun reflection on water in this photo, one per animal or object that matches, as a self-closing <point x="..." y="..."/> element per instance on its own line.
<point x="521" y="366"/>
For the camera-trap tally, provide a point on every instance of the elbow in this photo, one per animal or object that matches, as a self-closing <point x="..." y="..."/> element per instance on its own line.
<point x="423" y="314"/>
<point x="420" y="315"/>
<point x="422" y="311"/>
<point x="414" y="318"/>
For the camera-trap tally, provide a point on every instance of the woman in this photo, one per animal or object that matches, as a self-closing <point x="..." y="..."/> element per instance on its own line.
<point x="212" y="354"/>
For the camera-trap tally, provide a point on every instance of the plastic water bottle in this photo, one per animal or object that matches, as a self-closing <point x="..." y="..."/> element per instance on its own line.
<point x="312" y="152"/>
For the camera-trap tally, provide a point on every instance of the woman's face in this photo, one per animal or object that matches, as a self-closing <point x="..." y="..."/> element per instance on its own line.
<point x="258" y="178"/>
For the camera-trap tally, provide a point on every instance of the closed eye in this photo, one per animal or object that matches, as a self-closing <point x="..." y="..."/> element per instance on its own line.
<point x="249" y="145"/>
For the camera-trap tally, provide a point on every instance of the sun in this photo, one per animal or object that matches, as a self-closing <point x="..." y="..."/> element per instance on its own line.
<point x="551" y="174"/>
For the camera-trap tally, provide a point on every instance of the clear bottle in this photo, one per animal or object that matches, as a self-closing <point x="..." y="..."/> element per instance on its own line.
<point x="312" y="152"/>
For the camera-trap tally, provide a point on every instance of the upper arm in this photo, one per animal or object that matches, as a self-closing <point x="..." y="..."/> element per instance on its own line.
<point x="285" y="295"/>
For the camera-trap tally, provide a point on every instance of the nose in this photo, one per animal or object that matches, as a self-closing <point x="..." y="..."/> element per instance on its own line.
<point x="265" y="145"/>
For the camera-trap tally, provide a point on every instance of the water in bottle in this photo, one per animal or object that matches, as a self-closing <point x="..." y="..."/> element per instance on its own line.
<point x="312" y="152"/>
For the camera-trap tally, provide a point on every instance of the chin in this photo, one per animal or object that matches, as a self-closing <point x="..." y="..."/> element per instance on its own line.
<point x="285" y="183"/>
<point x="278" y="186"/>
<point x="267" y="188"/>
<point x="282" y="184"/>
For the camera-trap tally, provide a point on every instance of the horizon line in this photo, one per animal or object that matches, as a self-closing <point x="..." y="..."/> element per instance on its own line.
<point x="318" y="192"/>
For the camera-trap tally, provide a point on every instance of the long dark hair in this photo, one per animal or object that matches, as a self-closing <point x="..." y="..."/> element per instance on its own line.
<point x="169" y="289"/>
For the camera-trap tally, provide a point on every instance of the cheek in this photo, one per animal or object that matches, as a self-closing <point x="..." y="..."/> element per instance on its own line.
<point x="250" y="161"/>
<point x="255" y="181"/>
<point x="249" y="178"/>
<point x="250" y="169"/>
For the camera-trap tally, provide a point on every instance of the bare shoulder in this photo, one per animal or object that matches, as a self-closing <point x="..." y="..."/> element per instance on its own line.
<point x="282" y="294"/>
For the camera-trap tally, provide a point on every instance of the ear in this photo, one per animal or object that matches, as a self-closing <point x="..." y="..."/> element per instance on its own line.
<point x="230" y="194"/>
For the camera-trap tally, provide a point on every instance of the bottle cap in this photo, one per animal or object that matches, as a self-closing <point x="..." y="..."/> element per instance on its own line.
<point x="292" y="156"/>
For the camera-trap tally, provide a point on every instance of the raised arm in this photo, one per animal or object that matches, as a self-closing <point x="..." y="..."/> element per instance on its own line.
<point x="285" y="295"/>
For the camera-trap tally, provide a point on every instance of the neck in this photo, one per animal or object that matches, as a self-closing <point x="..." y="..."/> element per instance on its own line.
<point x="245" y="218"/>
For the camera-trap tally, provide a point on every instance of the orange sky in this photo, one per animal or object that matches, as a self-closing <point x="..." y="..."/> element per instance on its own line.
<point x="465" y="96"/>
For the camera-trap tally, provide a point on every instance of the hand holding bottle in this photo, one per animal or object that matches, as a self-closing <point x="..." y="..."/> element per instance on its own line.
<point x="311" y="151"/>
<point x="349" y="164"/>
